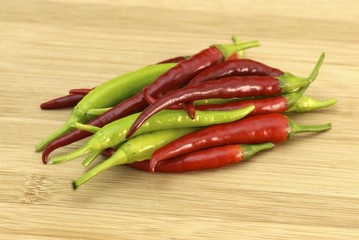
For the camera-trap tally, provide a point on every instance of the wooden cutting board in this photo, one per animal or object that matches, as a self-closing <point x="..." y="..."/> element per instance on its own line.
<point x="307" y="188"/>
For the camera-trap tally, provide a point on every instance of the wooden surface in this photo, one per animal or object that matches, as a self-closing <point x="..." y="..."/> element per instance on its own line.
<point x="307" y="188"/>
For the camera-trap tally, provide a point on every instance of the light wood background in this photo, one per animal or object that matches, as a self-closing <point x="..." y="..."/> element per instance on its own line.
<point x="307" y="188"/>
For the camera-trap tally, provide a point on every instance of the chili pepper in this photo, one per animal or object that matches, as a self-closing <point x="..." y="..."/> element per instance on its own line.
<point x="62" y="102"/>
<point x="123" y="109"/>
<point x="245" y="86"/>
<point x="205" y="159"/>
<point x="266" y="105"/>
<point x="290" y="102"/>
<point x="240" y="67"/>
<point x="172" y="79"/>
<point x="108" y="94"/>
<point x="175" y="59"/>
<point x="81" y="91"/>
<point x="241" y="86"/>
<point x="114" y="133"/>
<point x="272" y="127"/>
<point x="70" y="100"/>
<point x="135" y="149"/>
<point x="184" y="71"/>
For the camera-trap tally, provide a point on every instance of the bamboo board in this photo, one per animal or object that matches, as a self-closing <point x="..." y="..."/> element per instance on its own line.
<point x="307" y="188"/>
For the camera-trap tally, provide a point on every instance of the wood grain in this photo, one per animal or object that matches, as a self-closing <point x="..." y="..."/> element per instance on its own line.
<point x="307" y="188"/>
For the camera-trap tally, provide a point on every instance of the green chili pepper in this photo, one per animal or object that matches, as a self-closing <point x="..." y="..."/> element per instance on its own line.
<point x="136" y="149"/>
<point x="115" y="132"/>
<point x="107" y="95"/>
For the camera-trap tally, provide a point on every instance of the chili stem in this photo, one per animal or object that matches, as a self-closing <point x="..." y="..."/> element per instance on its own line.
<point x="297" y="128"/>
<point x="306" y="104"/>
<point x="249" y="150"/>
<point x="90" y="158"/>
<point x="98" y="111"/>
<point x="120" y="157"/>
<point x="228" y="49"/>
<point x="86" y="127"/>
<point x="67" y="157"/>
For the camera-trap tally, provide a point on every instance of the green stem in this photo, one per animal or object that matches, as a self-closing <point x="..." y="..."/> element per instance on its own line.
<point x="86" y="127"/>
<point x="290" y="83"/>
<point x="292" y="98"/>
<point x="306" y="104"/>
<point x="77" y="115"/>
<point x="118" y="158"/>
<point x="90" y="158"/>
<point x="228" y="49"/>
<point x="236" y="40"/>
<point x="72" y="155"/>
<point x="98" y="111"/>
<point x="249" y="150"/>
<point x="313" y="75"/>
<point x="295" y="128"/>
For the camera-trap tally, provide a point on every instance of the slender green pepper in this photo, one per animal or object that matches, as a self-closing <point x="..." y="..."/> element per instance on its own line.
<point x="109" y="94"/>
<point x="135" y="149"/>
<point x="114" y="133"/>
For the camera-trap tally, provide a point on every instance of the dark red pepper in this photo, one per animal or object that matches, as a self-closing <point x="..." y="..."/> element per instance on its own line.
<point x="82" y="91"/>
<point x="62" y="102"/>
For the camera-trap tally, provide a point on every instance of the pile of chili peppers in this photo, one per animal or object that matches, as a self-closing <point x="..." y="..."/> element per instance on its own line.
<point x="187" y="113"/>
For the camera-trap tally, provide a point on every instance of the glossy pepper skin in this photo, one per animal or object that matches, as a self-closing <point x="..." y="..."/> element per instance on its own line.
<point x="242" y="67"/>
<point x="238" y="67"/>
<point x="205" y="159"/>
<point x="62" y="102"/>
<point x="230" y="68"/>
<point x="135" y="149"/>
<point x="273" y="128"/>
<point x="175" y="77"/>
<point x="114" y="133"/>
<point x="245" y="86"/>
<point x="81" y="91"/>
<point x="106" y="95"/>
<point x="71" y="100"/>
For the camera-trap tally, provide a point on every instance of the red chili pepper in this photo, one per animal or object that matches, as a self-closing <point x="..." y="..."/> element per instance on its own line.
<point x="174" y="78"/>
<point x="277" y="104"/>
<point x="273" y="127"/>
<point x="62" y="102"/>
<point x="205" y="159"/>
<point x="183" y="72"/>
<point x="239" y="67"/>
<point x="81" y="91"/>
<point x="245" y="86"/>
